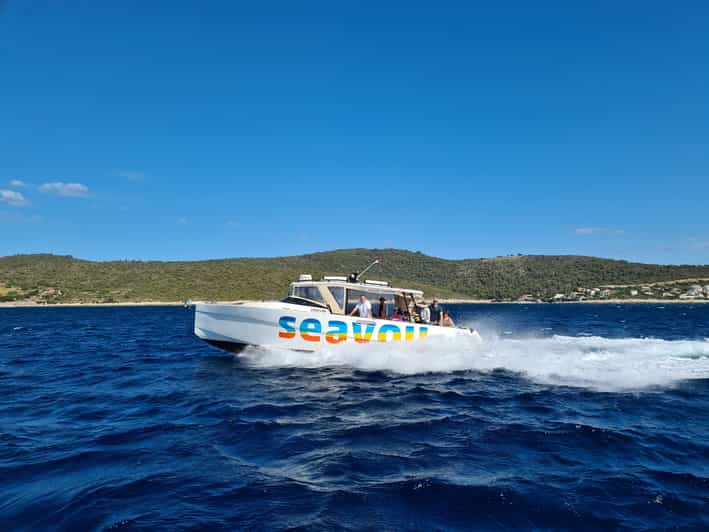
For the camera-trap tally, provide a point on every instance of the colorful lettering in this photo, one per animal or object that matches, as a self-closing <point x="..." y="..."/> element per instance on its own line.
<point x="359" y="338"/>
<point x="288" y="324"/>
<point x="310" y="330"/>
<point x="389" y="328"/>
<point x="337" y="332"/>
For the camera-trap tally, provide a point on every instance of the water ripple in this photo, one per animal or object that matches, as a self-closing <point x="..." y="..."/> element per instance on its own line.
<point x="119" y="419"/>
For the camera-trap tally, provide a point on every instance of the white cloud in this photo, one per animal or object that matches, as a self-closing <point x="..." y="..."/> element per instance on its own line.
<point x="73" y="190"/>
<point x="14" y="198"/>
<point x="598" y="230"/>
<point x="17" y="183"/>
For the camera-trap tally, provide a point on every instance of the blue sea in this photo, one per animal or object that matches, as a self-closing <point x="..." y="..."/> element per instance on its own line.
<point x="563" y="417"/>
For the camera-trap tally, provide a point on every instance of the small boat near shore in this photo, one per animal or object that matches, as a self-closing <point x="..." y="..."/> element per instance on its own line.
<point x="316" y="314"/>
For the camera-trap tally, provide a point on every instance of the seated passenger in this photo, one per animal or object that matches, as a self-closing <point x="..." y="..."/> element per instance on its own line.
<point x="398" y="315"/>
<point x="446" y="320"/>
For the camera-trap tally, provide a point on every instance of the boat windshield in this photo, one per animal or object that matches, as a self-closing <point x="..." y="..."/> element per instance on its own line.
<point x="295" y="300"/>
<point x="308" y="292"/>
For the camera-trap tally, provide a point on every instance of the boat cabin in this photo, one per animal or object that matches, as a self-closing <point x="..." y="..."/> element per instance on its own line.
<point x="340" y="295"/>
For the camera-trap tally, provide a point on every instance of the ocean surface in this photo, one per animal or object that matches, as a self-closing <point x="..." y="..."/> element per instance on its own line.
<point x="565" y="416"/>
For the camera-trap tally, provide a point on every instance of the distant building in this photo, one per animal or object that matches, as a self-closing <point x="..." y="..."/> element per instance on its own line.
<point x="695" y="291"/>
<point x="633" y="292"/>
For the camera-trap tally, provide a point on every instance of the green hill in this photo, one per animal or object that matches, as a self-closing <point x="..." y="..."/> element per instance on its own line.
<point x="53" y="278"/>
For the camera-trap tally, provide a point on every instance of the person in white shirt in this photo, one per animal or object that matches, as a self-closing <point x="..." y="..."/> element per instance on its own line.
<point x="425" y="313"/>
<point x="363" y="308"/>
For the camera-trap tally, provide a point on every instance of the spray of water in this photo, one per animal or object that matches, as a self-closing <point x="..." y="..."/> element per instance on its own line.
<point x="594" y="362"/>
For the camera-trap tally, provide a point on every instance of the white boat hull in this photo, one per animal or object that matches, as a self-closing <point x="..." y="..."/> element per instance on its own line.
<point x="275" y="324"/>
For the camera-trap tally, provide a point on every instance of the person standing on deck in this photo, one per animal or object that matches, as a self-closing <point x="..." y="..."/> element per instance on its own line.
<point x="425" y="313"/>
<point x="435" y="312"/>
<point x="382" y="311"/>
<point x="363" y="308"/>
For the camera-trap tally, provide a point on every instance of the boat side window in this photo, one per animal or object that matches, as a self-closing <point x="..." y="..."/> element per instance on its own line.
<point x="373" y="297"/>
<point x="308" y="292"/>
<point x="338" y="293"/>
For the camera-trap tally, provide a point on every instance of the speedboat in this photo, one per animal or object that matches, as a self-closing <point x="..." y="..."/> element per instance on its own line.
<point x="316" y="314"/>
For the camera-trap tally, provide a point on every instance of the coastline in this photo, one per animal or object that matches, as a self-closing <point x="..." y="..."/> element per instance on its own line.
<point x="584" y="302"/>
<point x="451" y="301"/>
<point x="22" y="304"/>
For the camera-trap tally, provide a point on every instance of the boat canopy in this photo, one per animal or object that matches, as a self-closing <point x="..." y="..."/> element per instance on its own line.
<point x="341" y="294"/>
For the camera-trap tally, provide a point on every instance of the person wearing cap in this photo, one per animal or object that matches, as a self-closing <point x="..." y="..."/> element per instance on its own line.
<point x="435" y="312"/>
<point x="382" y="310"/>
<point x="425" y="313"/>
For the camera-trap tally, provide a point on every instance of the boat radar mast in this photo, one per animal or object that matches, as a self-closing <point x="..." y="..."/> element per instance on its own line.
<point x="354" y="276"/>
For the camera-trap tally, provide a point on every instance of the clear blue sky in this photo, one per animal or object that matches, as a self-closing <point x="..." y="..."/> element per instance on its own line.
<point x="185" y="130"/>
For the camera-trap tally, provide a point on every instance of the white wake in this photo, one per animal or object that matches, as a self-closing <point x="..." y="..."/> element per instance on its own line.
<point x="595" y="362"/>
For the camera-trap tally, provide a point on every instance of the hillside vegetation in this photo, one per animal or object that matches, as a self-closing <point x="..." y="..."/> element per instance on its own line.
<point x="52" y="278"/>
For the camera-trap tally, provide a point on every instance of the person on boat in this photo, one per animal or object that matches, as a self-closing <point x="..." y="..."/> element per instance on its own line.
<point x="382" y="310"/>
<point x="435" y="312"/>
<point x="398" y="315"/>
<point x="446" y="320"/>
<point x="363" y="308"/>
<point x="425" y="313"/>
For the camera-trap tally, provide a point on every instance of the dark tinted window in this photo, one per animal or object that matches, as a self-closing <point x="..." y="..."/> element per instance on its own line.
<point x="308" y="292"/>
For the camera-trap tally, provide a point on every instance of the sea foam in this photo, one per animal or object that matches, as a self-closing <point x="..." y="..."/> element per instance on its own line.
<point x="604" y="364"/>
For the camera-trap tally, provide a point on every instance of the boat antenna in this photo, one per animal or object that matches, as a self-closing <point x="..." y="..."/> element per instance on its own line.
<point x="355" y="275"/>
